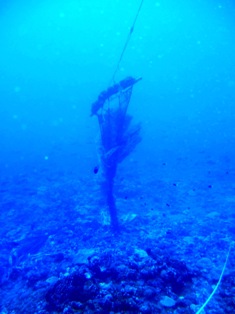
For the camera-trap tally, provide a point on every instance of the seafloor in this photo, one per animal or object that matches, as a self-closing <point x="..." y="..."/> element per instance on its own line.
<point x="58" y="254"/>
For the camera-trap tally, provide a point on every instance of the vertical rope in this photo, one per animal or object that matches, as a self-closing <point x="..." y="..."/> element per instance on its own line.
<point x="127" y="41"/>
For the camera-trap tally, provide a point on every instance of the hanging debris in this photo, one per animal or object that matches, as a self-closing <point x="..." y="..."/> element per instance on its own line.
<point x="118" y="136"/>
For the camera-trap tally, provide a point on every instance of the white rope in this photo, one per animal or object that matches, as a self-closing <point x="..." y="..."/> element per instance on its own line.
<point x="218" y="283"/>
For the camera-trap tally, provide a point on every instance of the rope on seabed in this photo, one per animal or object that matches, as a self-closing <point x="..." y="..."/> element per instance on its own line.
<point x="218" y="283"/>
<point x="127" y="41"/>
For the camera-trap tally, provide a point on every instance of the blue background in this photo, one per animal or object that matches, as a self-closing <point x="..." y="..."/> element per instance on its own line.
<point x="57" y="56"/>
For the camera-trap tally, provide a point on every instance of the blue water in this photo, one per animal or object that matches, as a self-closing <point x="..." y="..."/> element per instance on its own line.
<point x="55" y="59"/>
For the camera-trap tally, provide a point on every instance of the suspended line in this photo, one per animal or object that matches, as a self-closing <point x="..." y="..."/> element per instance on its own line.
<point x="127" y="41"/>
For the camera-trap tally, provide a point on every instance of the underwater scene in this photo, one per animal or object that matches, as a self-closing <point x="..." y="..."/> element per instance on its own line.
<point x="117" y="164"/>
